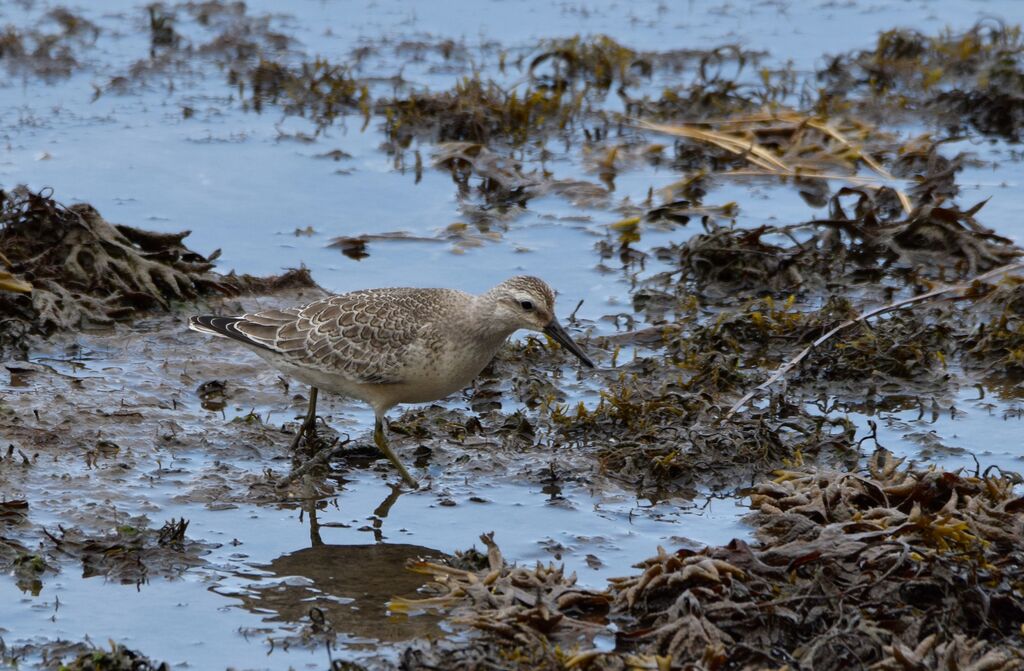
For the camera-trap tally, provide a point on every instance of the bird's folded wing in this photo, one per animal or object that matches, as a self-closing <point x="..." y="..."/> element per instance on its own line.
<point x="353" y="335"/>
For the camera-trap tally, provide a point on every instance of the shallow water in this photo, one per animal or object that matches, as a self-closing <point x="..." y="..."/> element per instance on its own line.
<point x="246" y="182"/>
<point x="268" y="565"/>
<point x="239" y="185"/>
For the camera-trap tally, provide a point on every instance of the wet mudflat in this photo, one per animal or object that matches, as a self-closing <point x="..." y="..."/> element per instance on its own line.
<point x="136" y="435"/>
<point x="726" y="203"/>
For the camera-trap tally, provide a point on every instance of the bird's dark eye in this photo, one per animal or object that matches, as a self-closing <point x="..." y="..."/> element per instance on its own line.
<point x="526" y="305"/>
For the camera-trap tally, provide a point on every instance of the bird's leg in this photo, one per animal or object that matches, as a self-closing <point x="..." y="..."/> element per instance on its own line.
<point x="382" y="445"/>
<point x="309" y="424"/>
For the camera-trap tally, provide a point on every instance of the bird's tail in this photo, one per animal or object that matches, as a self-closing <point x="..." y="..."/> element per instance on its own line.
<point x="224" y="327"/>
<point x="212" y="324"/>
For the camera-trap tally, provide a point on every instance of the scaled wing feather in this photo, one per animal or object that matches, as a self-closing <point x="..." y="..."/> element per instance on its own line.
<point x="360" y="335"/>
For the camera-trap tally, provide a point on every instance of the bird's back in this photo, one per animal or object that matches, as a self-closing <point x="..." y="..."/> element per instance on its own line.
<point x="371" y="336"/>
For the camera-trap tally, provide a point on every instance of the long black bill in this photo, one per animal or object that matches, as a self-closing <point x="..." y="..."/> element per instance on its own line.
<point x="555" y="330"/>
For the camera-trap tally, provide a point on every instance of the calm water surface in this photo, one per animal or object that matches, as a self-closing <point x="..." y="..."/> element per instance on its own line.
<point x="244" y="183"/>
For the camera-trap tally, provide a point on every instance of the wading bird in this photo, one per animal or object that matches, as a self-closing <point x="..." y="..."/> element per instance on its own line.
<point x="391" y="346"/>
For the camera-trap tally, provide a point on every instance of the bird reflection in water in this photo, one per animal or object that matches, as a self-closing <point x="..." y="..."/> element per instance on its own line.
<point x="345" y="588"/>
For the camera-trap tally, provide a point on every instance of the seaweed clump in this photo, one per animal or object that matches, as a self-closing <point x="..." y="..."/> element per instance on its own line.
<point x="996" y="345"/>
<point x="865" y="245"/>
<point x="901" y="349"/>
<point x="69" y="267"/>
<point x="118" y="658"/>
<point x="133" y="553"/>
<point x="78" y="656"/>
<point x="43" y="52"/>
<point x="318" y="90"/>
<point x="478" y="111"/>
<point x="974" y="78"/>
<point x="24" y="564"/>
<point x="659" y="435"/>
<point x="563" y="79"/>
<point x="599" y="61"/>
<point x="721" y="84"/>
<point x="893" y="568"/>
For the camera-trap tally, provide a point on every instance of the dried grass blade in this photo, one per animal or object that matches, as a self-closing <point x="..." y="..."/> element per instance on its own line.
<point x="9" y="282"/>
<point x="878" y="168"/>
<point x="736" y="144"/>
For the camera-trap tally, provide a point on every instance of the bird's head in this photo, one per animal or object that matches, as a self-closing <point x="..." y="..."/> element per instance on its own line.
<point x="529" y="303"/>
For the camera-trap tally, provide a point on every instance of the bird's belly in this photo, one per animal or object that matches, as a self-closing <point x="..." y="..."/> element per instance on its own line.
<point x="336" y="384"/>
<point x="411" y="392"/>
<point x="441" y="378"/>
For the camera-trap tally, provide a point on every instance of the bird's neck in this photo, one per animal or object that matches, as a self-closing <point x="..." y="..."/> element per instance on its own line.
<point x="486" y="325"/>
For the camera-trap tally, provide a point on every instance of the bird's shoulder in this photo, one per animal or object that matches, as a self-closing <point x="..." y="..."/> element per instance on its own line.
<point x="372" y="335"/>
<point x="390" y="314"/>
